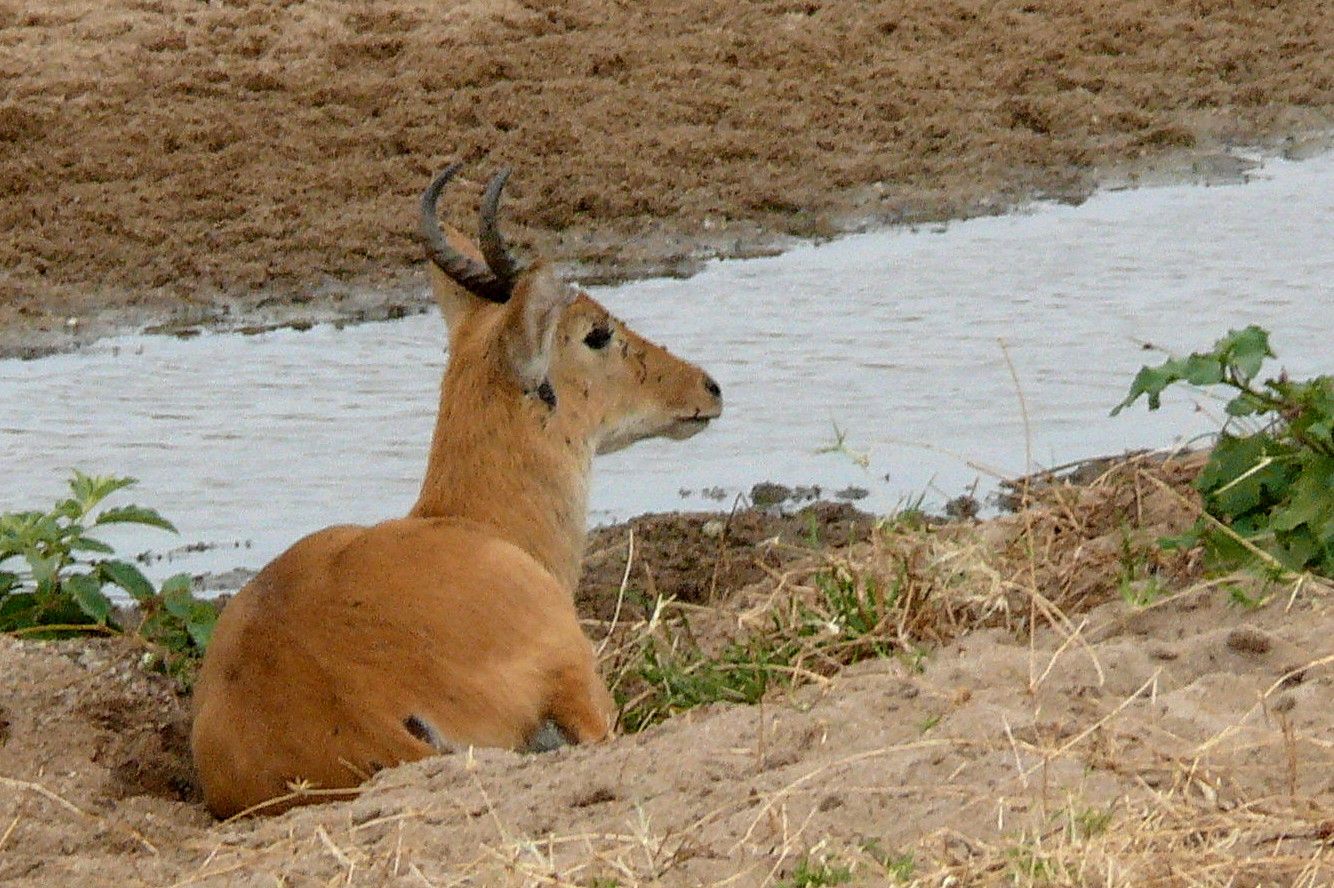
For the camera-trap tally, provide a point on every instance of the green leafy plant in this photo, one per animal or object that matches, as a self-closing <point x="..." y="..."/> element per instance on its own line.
<point x="1030" y="865"/>
<point x="1138" y="585"/>
<point x="814" y="874"/>
<point x="1269" y="490"/>
<point x="54" y="574"/>
<point x="1086" y="823"/>
<point x="1241" y="598"/>
<point x="853" y="613"/>
<point x="897" y="865"/>
<point x="681" y="679"/>
<point x="849" y="618"/>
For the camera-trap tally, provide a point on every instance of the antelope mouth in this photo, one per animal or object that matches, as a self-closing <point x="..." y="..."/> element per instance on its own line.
<point x="687" y="426"/>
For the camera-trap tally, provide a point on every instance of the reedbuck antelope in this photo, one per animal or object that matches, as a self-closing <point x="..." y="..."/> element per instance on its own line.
<point x="362" y="647"/>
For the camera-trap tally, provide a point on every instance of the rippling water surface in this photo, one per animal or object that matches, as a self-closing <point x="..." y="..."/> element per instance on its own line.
<point x="898" y="338"/>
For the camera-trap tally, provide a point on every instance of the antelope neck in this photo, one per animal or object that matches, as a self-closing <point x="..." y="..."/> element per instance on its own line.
<point x="504" y="463"/>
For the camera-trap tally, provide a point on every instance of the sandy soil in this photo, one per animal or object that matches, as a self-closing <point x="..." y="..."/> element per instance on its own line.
<point x="1186" y="742"/>
<point x="249" y="162"/>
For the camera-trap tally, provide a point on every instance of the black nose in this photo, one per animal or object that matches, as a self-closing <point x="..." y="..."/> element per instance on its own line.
<point x="712" y="386"/>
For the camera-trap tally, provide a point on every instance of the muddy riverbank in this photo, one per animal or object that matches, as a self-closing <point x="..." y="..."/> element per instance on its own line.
<point x="1058" y="700"/>
<point x="170" y="163"/>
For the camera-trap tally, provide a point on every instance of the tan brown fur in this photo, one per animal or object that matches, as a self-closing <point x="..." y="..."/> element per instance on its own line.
<point x="460" y="615"/>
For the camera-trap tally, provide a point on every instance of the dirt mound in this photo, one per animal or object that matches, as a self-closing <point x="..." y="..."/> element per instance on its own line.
<point x="704" y="556"/>
<point x="95" y="699"/>
<point x="1189" y="746"/>
<point x="157" y="153"/>
<point x="1069" y="728"/>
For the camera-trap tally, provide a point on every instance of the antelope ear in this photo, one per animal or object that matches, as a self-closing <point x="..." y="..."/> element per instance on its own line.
<point x="456" y="302"/>
<point x="535" y="308"/>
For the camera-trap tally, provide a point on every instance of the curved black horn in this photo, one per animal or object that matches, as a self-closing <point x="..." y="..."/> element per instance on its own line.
<point x="489" y="237"/>
<point x="468" y="273"/>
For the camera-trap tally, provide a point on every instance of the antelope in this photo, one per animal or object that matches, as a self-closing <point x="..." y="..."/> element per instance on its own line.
<point x="360" y="648"/>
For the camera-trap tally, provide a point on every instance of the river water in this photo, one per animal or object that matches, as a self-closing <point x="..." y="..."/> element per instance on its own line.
<point x="904" y="340"/>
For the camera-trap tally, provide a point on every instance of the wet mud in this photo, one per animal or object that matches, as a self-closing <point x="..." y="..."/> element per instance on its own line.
<point x="245" y="164"/>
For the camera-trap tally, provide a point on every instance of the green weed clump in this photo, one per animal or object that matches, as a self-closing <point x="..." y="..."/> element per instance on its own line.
<point x="679" y="678"/>
<point x="1268" y="487"/>
<point x="847" y="616"/>
<point x="898" y="866"/>
<point x="810" y="873"/>
<point x="54" y="575"/>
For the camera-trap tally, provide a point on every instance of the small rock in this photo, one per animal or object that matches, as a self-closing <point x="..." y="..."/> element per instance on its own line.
<point x="1245" y="640"/>
<point x="365" y="813"/>
<point x="963" y="507"/>
<point x="1162" y="652"/>
<point x="766" y="494"/>
<point x="830" y="802"/>
<point x="713" y="529"/>
<point x="596" y="796"/>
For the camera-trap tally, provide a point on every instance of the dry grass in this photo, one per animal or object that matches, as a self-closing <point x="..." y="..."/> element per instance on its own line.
<point x="1072" y="544"/>
<point x="1077" y="540"/>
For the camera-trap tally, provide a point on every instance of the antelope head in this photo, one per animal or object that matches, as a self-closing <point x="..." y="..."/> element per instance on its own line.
<point x="520" y="333"/>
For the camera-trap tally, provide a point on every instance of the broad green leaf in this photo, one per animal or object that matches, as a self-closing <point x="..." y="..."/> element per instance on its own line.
<point x="176" y="584"/>
<point x="196" y="616"/>
<point x="90" y="490"/>
<point x="200" y="624"/>
<point x="1297" y="549"/>
<point x="88" y="544"/>
<point x="1246" y="350"/>
<point x="134" y="515"/>
<point x="43" y="569"/>
<point x="1201" y="369"/>
<point x="46" y="530"/>
<point x="19" y="611"/>
<point x="1244" y="404"/>
<point x="129" y="578"/>
<point x="1189" y="539"/>
<point x="1223" y="552"/>
<point x="87" y="593"/>
<point x="1150" y="381"/>
<point x="1310" y="498"/>
<point x="68" y="508"/>
<point x="1244" y="473"/>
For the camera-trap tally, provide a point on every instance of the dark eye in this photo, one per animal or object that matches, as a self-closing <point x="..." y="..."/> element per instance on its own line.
<point x="598" y="337"/>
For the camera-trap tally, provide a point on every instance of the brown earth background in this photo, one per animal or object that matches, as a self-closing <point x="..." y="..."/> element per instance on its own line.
<point x="174" y="161"/>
